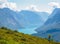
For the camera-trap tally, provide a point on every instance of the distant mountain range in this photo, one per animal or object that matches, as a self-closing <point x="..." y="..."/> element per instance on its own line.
<point x="7" y="19"/>
<point x="51" y="26"/>
<point x="30" y="18"/>
<point x="22" y="19"/>
<point x="44" y="15"/>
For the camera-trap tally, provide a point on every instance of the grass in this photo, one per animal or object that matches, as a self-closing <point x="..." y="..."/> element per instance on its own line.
<point x="8" y="36"/>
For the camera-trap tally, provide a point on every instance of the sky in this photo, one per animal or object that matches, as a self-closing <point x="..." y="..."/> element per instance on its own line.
<point x="36" y="5"/>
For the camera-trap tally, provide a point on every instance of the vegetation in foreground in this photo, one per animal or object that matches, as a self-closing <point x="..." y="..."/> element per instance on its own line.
<point x="8" y="36"/>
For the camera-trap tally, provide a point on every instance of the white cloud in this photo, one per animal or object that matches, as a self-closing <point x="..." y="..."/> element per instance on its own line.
<point x="11" y="5"/>
<point x="32" y="8"/>
<point x="54" y="4"/>
<point x="3" y="1"/>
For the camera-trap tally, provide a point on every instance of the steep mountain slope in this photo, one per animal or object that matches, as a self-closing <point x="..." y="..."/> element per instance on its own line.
<point x="8" y="36"/>
<point x="53" y="20"/>
<point x="7" y="19"/>
<point x="54" y="17"/>
<point x="51" y="26"/>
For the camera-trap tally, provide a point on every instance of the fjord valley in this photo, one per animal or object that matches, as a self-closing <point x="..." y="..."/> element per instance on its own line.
<point x="11" y="21"/>
<point x="29" y="21"/>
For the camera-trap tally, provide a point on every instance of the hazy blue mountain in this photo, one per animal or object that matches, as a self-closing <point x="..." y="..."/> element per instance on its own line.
<point x="7" y="19"/>
<point x="17" y="20"/>
<point x="51" y="26"/>
<point x="44" y="15"/>
<point x="21" y="20"/>
<point x="53" y="19"/>
<point x="30" y="18"/>
<point x="33" y="18"/>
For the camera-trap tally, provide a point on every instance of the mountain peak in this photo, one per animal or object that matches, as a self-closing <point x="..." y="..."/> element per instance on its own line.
<point x="51" y="25"/>
<point x="54" y="17"/>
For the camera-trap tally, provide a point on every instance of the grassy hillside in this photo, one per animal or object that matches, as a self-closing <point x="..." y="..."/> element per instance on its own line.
<point x="8" y="36"/>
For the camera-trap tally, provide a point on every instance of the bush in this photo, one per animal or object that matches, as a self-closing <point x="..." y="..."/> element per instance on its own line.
<point x="23" y="39"/>
<point x="1" y="37"/>
<point x="3" y="42"/>
<point x="3" y="28"/>
<point x="22" y="43"/>
<point x="15" y="31"/>
<point x="9" y="32"/>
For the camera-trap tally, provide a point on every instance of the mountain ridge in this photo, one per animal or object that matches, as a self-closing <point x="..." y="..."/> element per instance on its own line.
<point x="53" y="24"/>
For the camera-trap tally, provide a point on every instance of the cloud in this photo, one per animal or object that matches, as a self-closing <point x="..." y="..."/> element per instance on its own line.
<point x="3" y="1"/>
<point x="32" y="8"/>
<point x="54" y="4"/>
<point x="6" y="4"/>
<point x="11" y="5"/>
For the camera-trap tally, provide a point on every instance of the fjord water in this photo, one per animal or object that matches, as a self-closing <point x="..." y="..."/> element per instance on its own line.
<point x="27" y="30"/>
